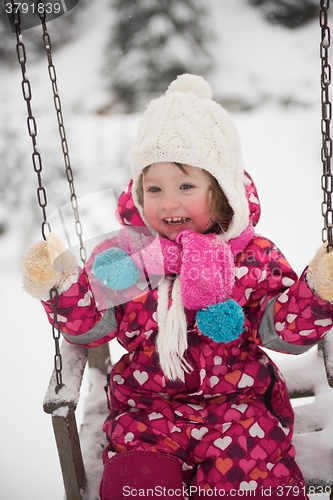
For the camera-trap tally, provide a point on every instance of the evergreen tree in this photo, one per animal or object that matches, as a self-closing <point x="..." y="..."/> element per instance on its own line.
<point x="153" y="41"/>
<point x="291" y="13"/>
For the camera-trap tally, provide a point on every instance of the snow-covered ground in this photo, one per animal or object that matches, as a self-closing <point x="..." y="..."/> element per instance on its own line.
<point x="270" y="67"/>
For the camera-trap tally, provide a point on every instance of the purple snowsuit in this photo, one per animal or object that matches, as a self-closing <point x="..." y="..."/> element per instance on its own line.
<point x="230" y="424"/>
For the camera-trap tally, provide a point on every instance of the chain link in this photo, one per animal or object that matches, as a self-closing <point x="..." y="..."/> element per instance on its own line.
<point x="31" y="121"/>
<point x="56" y="334"/>
<point x="326" y="108"/>
<point x="62" y="131"/>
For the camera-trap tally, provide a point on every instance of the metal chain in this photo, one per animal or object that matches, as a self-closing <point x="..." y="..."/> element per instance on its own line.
<point x="31" y="121"/>
<point x="62" y="132"/>
<point x="326" y="107"/>
<point x="56" y="334"/>
<point x="41" y="192"/>
<point x="54" y="297"/>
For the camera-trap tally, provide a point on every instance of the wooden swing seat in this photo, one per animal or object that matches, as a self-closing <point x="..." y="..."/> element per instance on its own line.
<point x="80" y="456"/>
<point x="81" y="464"/>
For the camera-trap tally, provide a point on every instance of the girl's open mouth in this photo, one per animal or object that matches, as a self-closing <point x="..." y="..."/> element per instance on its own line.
<point x="176" y="221"/>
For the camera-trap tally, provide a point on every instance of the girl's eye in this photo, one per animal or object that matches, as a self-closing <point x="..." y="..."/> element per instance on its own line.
<point x="153" y="189"/>
<point x="186" y="186"/>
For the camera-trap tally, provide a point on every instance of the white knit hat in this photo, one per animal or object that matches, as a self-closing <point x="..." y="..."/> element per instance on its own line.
<point x="187" y="126"/>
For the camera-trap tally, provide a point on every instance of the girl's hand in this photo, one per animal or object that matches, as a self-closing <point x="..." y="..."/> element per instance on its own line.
<point x="48" y="264"/>
<point x="320" y="273"/>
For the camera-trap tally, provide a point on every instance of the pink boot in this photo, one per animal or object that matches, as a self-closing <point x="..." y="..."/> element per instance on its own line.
<point x="142" y="473"/>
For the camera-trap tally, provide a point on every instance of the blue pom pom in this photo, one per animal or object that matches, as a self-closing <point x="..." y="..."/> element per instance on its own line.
<point x="115" y="269"/>
<point x="222" y="322"/>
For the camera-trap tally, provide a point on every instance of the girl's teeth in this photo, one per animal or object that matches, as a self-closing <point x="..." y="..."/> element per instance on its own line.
<point x="176" y="220"/>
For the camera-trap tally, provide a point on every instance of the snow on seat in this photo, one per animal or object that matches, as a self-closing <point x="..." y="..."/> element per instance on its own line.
<point x="313" y="436"/>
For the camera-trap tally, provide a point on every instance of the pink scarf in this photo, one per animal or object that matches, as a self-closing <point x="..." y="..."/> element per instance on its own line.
<point x="204" y="264"/>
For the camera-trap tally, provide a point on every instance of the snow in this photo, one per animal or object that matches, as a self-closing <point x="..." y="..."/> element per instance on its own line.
<point x="314" y="416"/>
<point x="328" y="355"/>
<point x="92" y="438"/>
<point x="76" y="358"/>
<point x="61" y="412"/>
<point x="269" y="78"/>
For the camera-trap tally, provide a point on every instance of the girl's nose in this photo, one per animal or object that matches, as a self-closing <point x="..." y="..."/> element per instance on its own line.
<point x="169" y="202"/>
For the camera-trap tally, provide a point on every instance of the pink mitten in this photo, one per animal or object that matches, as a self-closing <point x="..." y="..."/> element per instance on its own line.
<point x="207" y="271"/>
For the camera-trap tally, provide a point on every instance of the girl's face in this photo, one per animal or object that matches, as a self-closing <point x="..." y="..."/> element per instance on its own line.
<point x="174" y="200"/>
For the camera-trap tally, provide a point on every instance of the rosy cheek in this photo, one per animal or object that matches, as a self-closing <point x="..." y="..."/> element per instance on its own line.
<point x="149" y="212"/>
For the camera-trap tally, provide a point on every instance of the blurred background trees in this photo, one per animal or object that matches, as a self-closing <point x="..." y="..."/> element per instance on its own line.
<point x="148" y="44"/>
<point x="153" y="41"/>
<point x="290" y="13"/>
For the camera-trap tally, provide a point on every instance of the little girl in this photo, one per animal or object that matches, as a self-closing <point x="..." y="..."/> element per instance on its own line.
<point x="197" y="408"/>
